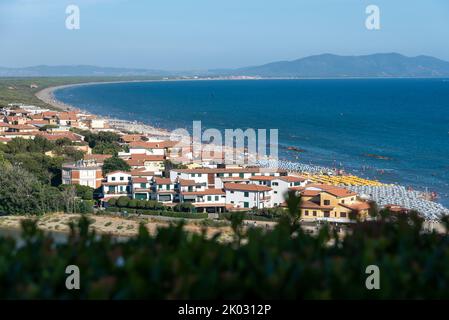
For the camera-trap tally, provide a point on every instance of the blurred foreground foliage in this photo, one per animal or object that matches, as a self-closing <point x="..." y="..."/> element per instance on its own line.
<point x="283" y="263"/>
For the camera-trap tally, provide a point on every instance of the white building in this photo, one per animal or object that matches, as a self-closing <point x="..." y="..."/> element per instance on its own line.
<point x="280" y="186"/>
<point x="84" y="173"/>
<point x="247" y="196"/>
<point x="213" y="177"/>
<point x="117" y="184"/>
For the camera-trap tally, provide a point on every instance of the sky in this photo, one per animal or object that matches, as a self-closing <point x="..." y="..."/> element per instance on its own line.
<point x="205" y="34"/>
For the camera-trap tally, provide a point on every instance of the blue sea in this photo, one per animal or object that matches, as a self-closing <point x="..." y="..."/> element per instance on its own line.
<point x="336" y="122"/>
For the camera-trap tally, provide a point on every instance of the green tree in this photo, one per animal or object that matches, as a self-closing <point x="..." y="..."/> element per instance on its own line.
<point x="115" y="164"/>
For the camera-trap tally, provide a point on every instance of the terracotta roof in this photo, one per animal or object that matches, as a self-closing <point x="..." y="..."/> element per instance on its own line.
<point x="153" y="145"/>
<point x="139" y="180"/>
<point x="162" y="181"/>
<point x="37" y="122"/>
<point x="205" y="192"/>
<point x="22" y="127"/>
<point x="356" y="206"/>
<point x="334" y="190"/>
<point x="135" y="162"/>
<point x="310" y="193"/>
<point x="245" y="187"/>
<point x="185" y="182"/>
<point x="291" y="179"/>
<point x="69" y="135"/>
<point x="340" y="192"/>
<point x="142" y="173"/>
<point x="132" y="137"/>
<point x="262" y="178"/>
<point x="4" y="124"/>
<point x="31" y="133"/>
<point x="5" y="139"/>
<point x="297" y="188"/>
<point x="229" y="170"/>
<point x="144" y="157"/>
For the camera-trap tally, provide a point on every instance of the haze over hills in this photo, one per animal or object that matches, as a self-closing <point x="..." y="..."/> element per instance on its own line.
<point x="318" y="66"/>
<point x="77" y="71"/>
<point x="335" y="66"/>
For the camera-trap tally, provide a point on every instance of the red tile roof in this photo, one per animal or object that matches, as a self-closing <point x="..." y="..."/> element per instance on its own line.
<point x="246" y="187"/>
<point x="205" y="192"/>
<point x="162" y="181"/>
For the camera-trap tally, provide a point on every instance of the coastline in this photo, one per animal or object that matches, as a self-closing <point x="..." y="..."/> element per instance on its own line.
<point x="296" y="168"/>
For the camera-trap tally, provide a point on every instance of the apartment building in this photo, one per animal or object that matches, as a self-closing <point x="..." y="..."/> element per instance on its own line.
<point x="84" y="173"/>
<point x="331" y="203"/>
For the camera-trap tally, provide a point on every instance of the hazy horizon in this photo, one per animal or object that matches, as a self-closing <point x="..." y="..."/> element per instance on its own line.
<point x="204" y="35"/>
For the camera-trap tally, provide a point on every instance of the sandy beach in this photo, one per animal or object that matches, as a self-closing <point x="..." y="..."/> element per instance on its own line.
<point x="414" y="200"/>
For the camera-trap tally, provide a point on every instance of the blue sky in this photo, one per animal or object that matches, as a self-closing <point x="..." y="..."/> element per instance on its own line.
<point x="201" y="34"/>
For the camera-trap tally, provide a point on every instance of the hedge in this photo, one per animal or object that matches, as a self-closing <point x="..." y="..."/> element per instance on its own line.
<point x="173" y="214"/>
<point x="283" y="263"/>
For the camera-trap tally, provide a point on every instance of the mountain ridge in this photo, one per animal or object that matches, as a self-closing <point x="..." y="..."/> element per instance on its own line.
<point x="326" y="65"/>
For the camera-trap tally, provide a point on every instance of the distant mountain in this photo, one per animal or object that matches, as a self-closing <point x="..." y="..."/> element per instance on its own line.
<point x="77" y="71"/>
<point x="319" y="66"/>
<point x="335" y="66"/>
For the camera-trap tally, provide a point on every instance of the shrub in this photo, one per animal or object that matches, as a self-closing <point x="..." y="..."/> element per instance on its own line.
<point x="112" y="202"/>
<point x="282" y="263"/>
<point x="132" y="203"/>
<point x="123" y="202"/>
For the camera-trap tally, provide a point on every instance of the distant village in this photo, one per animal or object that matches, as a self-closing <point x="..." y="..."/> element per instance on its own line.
<point x="161" y="170"/>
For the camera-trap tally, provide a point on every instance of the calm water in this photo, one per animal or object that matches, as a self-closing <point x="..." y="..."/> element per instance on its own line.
<point x="336" y="122"/>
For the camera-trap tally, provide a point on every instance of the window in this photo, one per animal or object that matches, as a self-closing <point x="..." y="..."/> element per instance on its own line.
<point x="246" y="194"/>
<point x="217" y="198"/>
<point x="246" y="204"/>
<point x="241" y="175"/>
<point x="326" y="214"/>
<point x="200" y="175"/>
<point x="275" y="184"/>
<point x="232" y="192"/>
<point x="142" y="185"/>
<point x="314" y="213"/>
<point x="113" y="178"/>
<point x="167" y="187"/>
<point x="327" y="202"/>
<point x="342" y="214"/>
<point x="190" y="188"/>
<point x="275" y="192"/>
<point x="342" y="201"/>
<point x="209" y="198"/>
<point x="160" y="186"/>
<point x="306" y="212"/>
<point x="122" y="178"/>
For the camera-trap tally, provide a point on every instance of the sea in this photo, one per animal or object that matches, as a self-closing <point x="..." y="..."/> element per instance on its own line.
<point x="393" y="130"/>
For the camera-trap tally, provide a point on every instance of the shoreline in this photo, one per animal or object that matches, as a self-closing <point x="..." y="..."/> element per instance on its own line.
<point x="47" y="95"/>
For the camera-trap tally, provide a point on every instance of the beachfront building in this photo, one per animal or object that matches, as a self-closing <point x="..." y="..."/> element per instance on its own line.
<point x="213" y="177"/>
<point x="117" y="184"/>
<point x="154" y="163"/>
<point x="241" y="196"/>
<point x="331" y="203"/>
<point x="141" y="188"/>
<point x="84" y="173"/>
<point x="280" y="185"/>
<point x="163" y="190"/>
